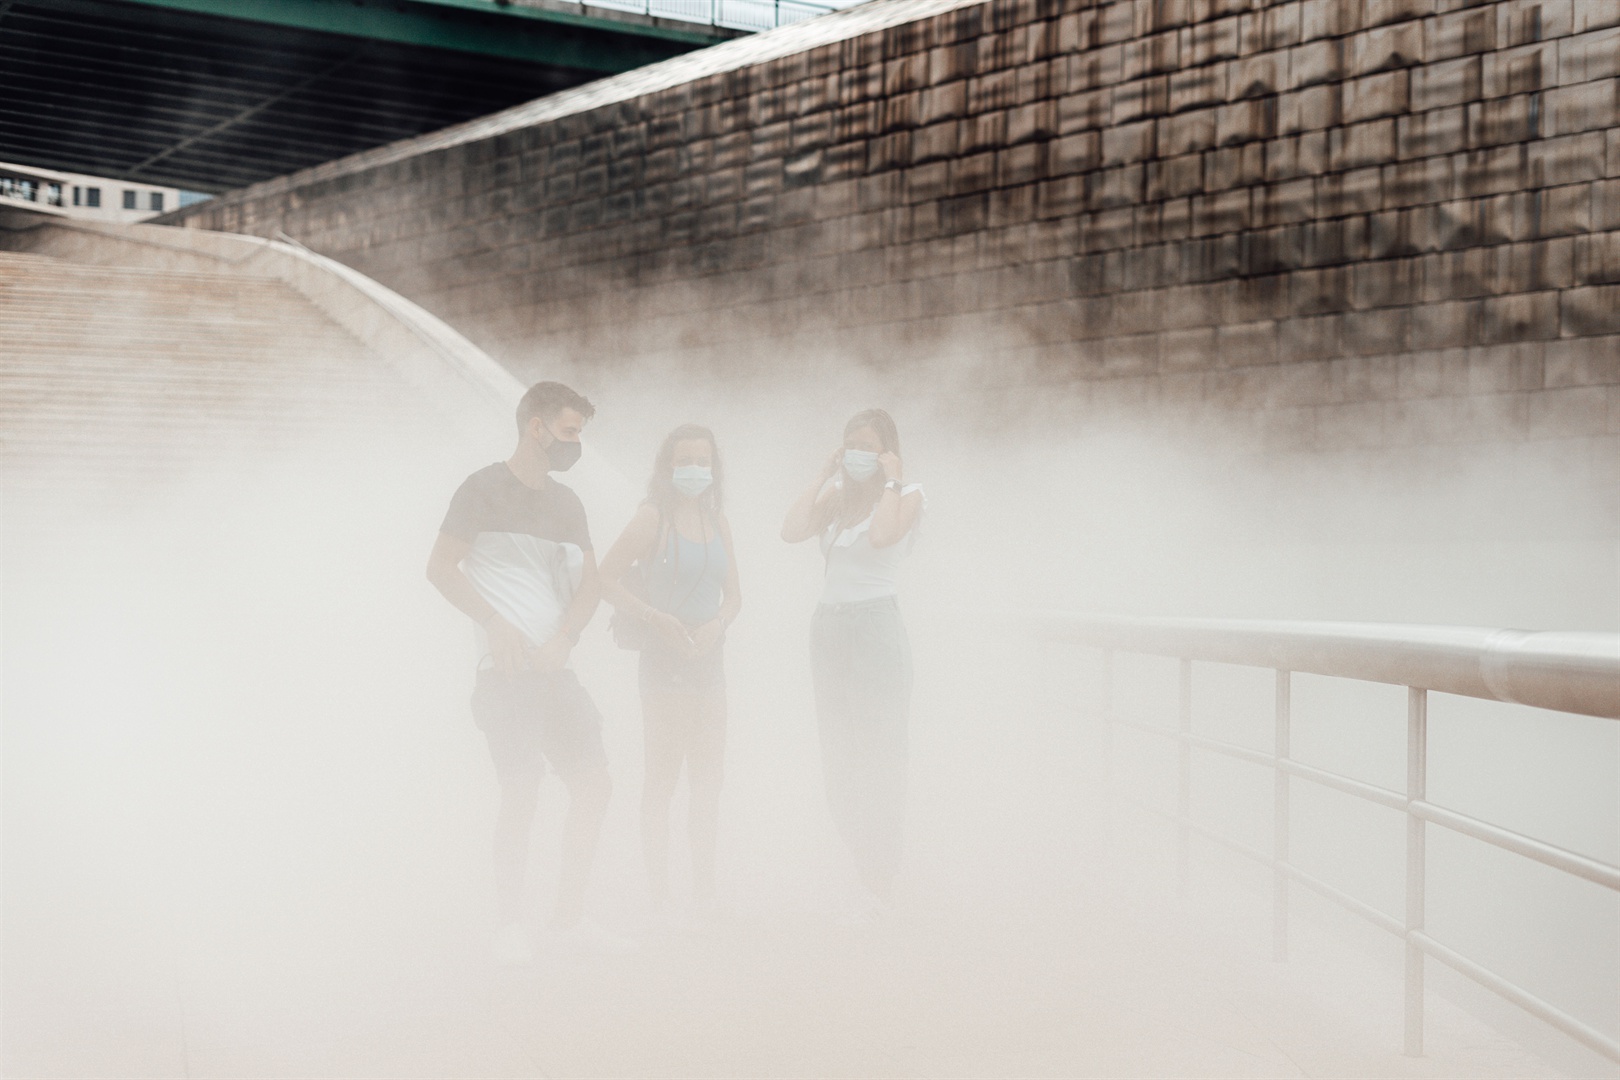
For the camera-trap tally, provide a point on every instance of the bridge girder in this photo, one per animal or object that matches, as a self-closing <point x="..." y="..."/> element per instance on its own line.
<point x="214" y="94"/>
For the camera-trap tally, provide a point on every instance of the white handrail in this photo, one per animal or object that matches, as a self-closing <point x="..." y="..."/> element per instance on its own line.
<point x="1568" y="671"/>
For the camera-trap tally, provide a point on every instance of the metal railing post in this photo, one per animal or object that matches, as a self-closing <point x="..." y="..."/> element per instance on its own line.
<point x="1417" y="752"/>
<point x="1184" y="778"/>
<point x="1560" y="671"/>
<point x="1279" y="821"/>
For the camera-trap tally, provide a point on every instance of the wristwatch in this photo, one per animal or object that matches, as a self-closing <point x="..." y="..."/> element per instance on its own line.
<point x="892" y="485"/>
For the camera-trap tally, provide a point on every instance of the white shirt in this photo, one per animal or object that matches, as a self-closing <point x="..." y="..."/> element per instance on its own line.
<point x="525" y="548"/>
<point x="528" y="579"/>
<point x="856" y="570"/>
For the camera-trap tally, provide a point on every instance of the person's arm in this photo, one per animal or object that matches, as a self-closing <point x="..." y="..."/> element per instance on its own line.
<point x="507" y="644"/>
<point x="706" y="636"/>
<point x="553" y="655"/>
<point x="637" y="542"/>
<point x="809" y="513"/>
<point x="732" y="606"/>
<point x="894" y="514"/>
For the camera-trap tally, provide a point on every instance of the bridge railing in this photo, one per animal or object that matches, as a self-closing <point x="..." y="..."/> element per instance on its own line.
<point x="736" y="14"/>
<point x="1569" y="672"/>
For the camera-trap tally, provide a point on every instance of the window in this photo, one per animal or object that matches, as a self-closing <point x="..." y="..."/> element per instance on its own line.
<point x="157" y="201"/>
<point x="53" y="194"/>
<point x="92" y="196"/>
<point x="78" y="194"/>
<point x="129" y="200"/>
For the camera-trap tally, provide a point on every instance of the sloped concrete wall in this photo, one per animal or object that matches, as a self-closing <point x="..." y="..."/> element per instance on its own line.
<point x="1357" y="224"/>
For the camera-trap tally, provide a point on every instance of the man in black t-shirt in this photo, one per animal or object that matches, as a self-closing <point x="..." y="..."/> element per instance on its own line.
<point x="514" y="555"/>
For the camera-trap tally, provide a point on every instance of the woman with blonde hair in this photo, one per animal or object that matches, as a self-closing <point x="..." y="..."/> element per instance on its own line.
<point x="865" y="515"/>
<point x="672" y="578"/>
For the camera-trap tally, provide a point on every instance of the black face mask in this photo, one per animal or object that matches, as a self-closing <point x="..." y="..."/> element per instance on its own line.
<point x="560" y="456"/>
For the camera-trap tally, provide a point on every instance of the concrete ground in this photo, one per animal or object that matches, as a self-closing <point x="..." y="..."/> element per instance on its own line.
<point x="246" y="827"/>
<point x="1076" y="982"/>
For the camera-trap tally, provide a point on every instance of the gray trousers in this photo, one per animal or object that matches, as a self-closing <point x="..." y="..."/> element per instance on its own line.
<point x="860" y="663"/>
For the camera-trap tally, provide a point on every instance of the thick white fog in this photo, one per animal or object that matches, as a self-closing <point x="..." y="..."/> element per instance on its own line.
<point x="247" y="812"/>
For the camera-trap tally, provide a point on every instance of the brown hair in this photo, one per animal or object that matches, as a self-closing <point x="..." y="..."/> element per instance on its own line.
<point x="547" y="399"/>
<point x="856" y="500"/>
<point x="661" y="486"/>
<point x="881" y="423"/>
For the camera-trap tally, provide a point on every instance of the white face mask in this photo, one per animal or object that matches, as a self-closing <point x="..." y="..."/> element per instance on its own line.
<point x="860" y="464"/>
<point x="693" y="480"/>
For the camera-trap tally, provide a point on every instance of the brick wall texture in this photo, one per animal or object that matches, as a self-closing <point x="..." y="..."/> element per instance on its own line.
<point x="1364" y="224"/>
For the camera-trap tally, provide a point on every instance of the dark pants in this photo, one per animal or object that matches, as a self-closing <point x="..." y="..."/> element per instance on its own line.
<point x="860" y="662"/>
<point x="531" y="718"/>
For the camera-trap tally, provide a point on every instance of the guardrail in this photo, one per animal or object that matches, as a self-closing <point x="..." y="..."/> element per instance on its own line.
<point x="736" y="14"/>
<point x="1570" y="672"/>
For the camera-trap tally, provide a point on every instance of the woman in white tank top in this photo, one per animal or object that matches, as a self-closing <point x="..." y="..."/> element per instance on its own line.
<point x="865" y="514"/>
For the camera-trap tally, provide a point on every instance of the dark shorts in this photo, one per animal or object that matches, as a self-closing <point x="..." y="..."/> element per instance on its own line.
<point x="532" y="717"/>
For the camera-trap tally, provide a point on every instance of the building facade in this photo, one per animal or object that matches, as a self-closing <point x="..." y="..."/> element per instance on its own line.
<point x="90" y="198"/>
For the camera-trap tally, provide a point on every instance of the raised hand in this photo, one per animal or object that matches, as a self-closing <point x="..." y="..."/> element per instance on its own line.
<point x="834" y="463"/>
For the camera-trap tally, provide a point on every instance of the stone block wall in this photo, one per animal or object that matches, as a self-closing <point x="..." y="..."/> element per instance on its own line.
<point x="1357" y="223"/>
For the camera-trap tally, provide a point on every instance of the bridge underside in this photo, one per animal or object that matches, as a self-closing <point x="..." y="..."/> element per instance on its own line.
<point x="208" y="95"/>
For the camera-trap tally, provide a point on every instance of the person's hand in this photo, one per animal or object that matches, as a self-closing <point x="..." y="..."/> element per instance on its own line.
<point x="834" y="463"/>
<point x="707" y="636"/>
<point x="672" y="631"/>
<point x="508" y="645"/>
<point x="890" y="464"/>
<point x="553" y="655"/>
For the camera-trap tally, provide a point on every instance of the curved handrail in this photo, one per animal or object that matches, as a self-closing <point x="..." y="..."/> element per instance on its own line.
<point x="1570" y="671"/>
<point x="448" y="344"/>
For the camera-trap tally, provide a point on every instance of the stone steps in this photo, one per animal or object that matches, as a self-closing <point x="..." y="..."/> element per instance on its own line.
<point x="125" y="375"/>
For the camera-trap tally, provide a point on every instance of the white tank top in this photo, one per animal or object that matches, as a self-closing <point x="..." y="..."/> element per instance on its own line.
<point x="858" y="571"/>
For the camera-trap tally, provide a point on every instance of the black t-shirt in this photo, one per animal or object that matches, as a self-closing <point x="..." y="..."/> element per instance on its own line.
<point x="528" y="545"/>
